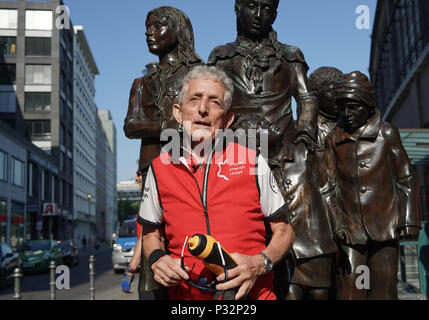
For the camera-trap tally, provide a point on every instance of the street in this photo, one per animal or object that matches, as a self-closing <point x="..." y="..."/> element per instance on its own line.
<point x="107" y="283"/>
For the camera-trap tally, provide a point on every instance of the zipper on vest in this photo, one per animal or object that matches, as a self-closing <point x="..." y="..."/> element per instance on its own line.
<point x="203" y="195"/>
<point x="203" y="200"/>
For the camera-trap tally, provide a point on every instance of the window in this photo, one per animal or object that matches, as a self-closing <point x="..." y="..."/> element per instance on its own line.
<point x="62" y="136"/>
<point x="42" y="192"/>
<point x="64" y="191"/>
<point x="30" y="179"/>
<point x="56" y="190"/>
<point x="63" y="82"/>
<point x="53" y="189"/>
<point x="3" y="220"/>
<point x="35" y="180"/>
<point x="3" y="166"/>
<point x="17" y="172"/>
<point x="37" y="74"/>
<point x="17" y="224"/>
<point x="69" y="141"/>
<point x="8" y="19"/>
<point x="38" y="129"/>
<point x="8" y="46"/>
<point x="37" y="101"/>
<point x="38" y="20"/>
<point x="46" y="183"/>
<point x="7" y="73"/>
<point x="8" y="101"/>
<point x="37" y="46"/>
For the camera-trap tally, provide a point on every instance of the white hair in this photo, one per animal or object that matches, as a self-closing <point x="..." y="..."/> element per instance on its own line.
<point x="211" y="73"/>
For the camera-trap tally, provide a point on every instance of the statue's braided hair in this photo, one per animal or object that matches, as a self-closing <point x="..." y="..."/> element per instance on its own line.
<point x="181" y="24"/>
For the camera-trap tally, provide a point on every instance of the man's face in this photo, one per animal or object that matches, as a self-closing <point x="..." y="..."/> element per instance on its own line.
<point x="139" y="180"/>
<point x="256" y="17"/>
<point x="327" y="102"/>
<point x="160" y="38"/>
<point x="202" y="111"/>
<point x="354" y="114"/>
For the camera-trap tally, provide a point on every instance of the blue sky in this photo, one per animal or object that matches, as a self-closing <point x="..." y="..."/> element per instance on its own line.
<point x="325" y="31"/>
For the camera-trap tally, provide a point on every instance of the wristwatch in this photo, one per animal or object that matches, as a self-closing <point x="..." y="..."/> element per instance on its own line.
<point x="267" y="262"/>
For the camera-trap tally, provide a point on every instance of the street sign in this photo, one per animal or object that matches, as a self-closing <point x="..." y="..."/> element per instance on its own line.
<point x="49" y="209"/>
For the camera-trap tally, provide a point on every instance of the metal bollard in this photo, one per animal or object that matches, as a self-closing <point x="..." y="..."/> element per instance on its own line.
<point x="52" y="288"/>
<point x="17" y="275"/>
<point x="91" y="278"/>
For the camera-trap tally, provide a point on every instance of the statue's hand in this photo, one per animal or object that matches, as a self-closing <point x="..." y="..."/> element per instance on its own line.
<point x="343" y="235"/>
<point x="309" y="143"/>
<point x="275" y="133"/>
<point x="408" y="233"/>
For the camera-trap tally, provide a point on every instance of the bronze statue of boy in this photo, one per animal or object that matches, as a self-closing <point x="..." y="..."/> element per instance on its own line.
<point x="376" y="192"/>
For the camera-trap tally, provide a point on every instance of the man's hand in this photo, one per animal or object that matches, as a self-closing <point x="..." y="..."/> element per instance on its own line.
<point x="244" y="276"/>
<point x="408" y="233"/>
<point x="167" y="271"/>
<point x="126" y="282"/>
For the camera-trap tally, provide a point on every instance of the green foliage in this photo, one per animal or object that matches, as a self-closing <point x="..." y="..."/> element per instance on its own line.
<point x="127" y="208"/>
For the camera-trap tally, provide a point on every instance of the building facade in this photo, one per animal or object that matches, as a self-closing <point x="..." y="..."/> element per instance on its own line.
<point x="36" y="90"/>
<point x="110" y="171"/>
<point x="29" y="192"/>
<point x="13" y="185"/>
<point x="129" y="191"/>
<point x="84" y="139"/>
<point x="399" y="69"/>
<point x="100" y="187"/>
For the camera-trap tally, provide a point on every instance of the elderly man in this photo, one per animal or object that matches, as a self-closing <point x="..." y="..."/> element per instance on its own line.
<point x="377" y="192"/>
<point x="212" y="194"/>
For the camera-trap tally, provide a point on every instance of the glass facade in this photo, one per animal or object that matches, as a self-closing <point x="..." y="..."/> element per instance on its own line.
<point x="38" y="20"/>
<point x="37" y="101"/>
<point x="38" y="129"/>
<point x="8" y="19"/>
<point x="37" y="46"/>
<point x="8" y="101"/>
<point x="17" y="225"/>
<point x="8" y="46"/>
<point x="18" y="173"/>
<point x="3" y="166"/>
<point x="7" y="73"/>
<point x="406" y="36"/>
<point x="3" y="221"/>
<point x="37" y="74"/>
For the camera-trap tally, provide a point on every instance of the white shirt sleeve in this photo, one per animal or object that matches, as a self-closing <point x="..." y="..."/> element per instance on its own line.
<point x="150" y="209"/>
<point x="272" y="203"/>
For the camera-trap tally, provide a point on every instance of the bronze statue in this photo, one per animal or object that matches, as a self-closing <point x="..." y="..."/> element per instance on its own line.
<point x="169" y="35"/>
<point x="376" y="193"/>
<point x="266" y="74"/>
<point x="310" y="264"/>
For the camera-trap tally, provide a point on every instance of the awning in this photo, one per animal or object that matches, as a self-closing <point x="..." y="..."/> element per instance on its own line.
<point x="416" y="143"/>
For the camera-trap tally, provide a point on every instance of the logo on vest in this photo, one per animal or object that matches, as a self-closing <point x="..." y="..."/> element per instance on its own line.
<point x="220" y="170"/>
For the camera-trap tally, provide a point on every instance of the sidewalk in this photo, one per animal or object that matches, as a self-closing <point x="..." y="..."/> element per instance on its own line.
<point x="409" y="292"/>
<point x="113" y="291"/>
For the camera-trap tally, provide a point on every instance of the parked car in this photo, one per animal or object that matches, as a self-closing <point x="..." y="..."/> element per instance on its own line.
<point x="36" y="255"/>
<point x="70" y="252"/>
<point x="123" y="247"/>
<point x="9" y="260"/>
